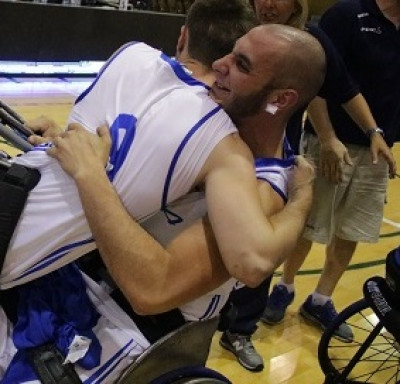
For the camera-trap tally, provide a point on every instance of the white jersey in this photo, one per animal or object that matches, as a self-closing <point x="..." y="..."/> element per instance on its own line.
<point x="163" y="127"/>
<point x="192" y="207"/>
<point x="120" y="339"/>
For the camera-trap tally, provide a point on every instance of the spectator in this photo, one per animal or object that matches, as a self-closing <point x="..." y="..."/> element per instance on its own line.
<point x="353" y="187"/>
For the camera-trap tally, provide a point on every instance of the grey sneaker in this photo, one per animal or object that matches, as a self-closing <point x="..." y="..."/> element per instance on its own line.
<point x="279" y="299"/>
<point x="323" y="315"/>
<point x="242" y="347"/>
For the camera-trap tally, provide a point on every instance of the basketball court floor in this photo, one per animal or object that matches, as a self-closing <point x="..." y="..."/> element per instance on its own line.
<point x="290" y="348"/>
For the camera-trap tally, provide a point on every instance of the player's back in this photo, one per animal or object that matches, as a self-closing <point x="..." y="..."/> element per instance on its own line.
<point x="163" y="127"/>
<point x="162" y="121"/>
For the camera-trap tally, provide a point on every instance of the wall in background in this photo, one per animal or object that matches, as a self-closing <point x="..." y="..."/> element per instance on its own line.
<point x="56" y="33"/>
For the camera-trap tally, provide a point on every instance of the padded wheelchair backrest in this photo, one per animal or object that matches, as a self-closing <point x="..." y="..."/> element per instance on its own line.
<point x="16" y="181"/>
<point x="380" y="298"/>
<point x="189" y="345"/>
<point x="393" y="274"/>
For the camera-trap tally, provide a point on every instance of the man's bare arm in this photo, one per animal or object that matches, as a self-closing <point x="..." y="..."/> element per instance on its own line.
<point x="152" y="278"/>
<point x="333" y="153"/>
<point x="251" y="244"/>
<point x="141" y="266"/>
<point x="358" y="109"/>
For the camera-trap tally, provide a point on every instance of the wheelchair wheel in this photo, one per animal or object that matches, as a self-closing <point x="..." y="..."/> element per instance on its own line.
<point x="199" y="381"/>
<point x="372" y="357"/>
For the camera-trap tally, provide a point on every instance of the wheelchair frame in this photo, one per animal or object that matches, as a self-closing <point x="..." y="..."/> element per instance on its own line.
<point x="374" y="354"/>
<point x="13" y="129"/>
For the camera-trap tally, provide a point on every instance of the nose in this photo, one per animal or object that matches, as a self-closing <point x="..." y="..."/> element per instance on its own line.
<point x="221" y="65"/>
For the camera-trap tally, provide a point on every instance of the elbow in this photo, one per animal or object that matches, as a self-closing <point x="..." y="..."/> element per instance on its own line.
<point x="252" y="272"/>
<point x="256" y="277"/>
<point x="145" y="305"/>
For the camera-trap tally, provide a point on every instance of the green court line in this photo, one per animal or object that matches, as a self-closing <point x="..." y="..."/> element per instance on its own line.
<point x="367" y="264"/>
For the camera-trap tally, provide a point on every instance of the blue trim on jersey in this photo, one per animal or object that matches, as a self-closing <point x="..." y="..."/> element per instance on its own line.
<point x="211" y="307"/>
<point x="275" y="188"/>
<point x="53" y="257"/>
<point x="288" y="152"/>
<point x="287" y="161"/>
<point x="106" y="65"/>
<point x="263" y="163"/>
<point x="181" y="72"/>
<point x="113" y="367"/>
<point x="174" y="161"/>
<point x="104" y="371"/>
<point x="42" y="147"/>
<point x="266" y="162"/>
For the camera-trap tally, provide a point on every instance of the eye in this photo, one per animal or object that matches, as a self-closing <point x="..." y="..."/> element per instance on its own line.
<point x="242" y="65"/>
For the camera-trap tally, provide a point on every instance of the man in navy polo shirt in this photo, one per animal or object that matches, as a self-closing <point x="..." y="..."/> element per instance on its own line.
<point x="366" y="34"/>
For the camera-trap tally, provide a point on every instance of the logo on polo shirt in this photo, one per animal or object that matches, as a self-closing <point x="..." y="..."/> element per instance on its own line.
<point x="377" y="30"/>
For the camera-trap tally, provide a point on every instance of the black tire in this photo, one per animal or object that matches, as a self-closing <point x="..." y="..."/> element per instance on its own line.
<point x="372" y="357"/>
<point x="198" y="381"/>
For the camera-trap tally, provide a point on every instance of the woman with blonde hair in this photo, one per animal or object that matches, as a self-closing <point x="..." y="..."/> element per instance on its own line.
<point x="288" y="12"/>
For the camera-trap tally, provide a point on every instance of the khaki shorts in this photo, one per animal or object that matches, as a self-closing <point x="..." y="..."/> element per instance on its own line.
<point x="353" y="209"/>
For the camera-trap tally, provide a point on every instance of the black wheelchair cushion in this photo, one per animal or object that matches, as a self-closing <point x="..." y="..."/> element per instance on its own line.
<point x="15" y="183"/>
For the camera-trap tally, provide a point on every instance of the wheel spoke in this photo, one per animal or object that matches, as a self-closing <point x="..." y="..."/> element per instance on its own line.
<point x="372" y="357"/>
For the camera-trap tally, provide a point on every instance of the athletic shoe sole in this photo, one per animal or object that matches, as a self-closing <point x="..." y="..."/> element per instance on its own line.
<point x="229" y="348"/>
<point x="266" y="321"/>
<point x="315" y="321"/>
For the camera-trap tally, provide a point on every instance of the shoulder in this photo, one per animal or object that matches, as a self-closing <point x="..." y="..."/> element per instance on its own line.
<point x="342" y="8"/>
<point x="321" y="36"/>
<point x="231" y="153"/>
<point x="346" y="5"/>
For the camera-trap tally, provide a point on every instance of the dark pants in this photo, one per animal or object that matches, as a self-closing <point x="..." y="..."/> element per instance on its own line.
<point x="244" y="309"/>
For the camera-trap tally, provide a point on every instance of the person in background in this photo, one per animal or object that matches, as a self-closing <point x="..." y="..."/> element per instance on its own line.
<point x="352" y="182"/>
<point x="248" y="305"/>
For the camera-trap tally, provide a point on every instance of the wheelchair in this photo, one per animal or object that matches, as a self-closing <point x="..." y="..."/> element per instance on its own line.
<point x="177" y="358"/>
<point x="373" y="356"/>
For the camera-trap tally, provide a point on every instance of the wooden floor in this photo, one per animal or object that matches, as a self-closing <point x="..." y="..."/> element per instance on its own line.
<point x="289" y="349"/>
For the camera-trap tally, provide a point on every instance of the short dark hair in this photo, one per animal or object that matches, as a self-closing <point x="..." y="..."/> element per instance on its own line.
<point x="215" y="25"/>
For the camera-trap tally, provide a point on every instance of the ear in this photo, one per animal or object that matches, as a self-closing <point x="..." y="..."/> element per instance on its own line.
<point x="181" y="40"/>
<point x="283" y="99"/>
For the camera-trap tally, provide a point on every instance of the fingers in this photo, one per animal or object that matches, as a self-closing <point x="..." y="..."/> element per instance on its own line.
<point x="37" y="140"/>
<point x="45" y="126"/>
<point x="392" y="165"/>
<point x="104" y="132"/>
<point x="347" y="159"/>
<point x="306" y="167"/>
<point x="75" y="127"/>
<point x="389" y="158"/>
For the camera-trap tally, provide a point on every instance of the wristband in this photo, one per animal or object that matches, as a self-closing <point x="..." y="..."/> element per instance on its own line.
<point x="372" y="131"/>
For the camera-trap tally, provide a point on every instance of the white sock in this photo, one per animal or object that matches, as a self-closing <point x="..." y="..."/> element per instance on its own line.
<point x="319" y="299"/>
<point x="289" y="287"/>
